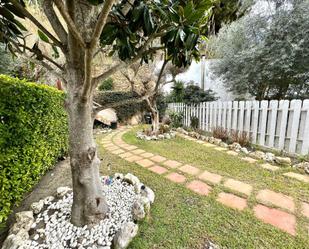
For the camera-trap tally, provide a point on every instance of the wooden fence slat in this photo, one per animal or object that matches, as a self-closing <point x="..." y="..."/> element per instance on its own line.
<point x="215" y="115"/>
<point x="241" y="116"/>
<point x="224" y="105"/>
<point x="247" y="116"/>
<point x="263" y="122"/>
<point x="219" y="123"/>
<point x="284" y="108"/>
<point x="255" y="118"/>
<point x="305" y="144"/>
<point x="229" y="115"/>
<point x="235" y="115"/>
<point x="296" y="106"/>
<point x="273" y="105"/>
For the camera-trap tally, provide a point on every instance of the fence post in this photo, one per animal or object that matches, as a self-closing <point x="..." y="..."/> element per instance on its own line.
<point x="284" y="108"/>
<point x="295" y="108"/>
<point x="241" y="116"/>
<point x="271" y="131"/>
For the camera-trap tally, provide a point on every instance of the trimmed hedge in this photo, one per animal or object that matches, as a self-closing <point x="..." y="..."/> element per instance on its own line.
<point x="33" y="135"/>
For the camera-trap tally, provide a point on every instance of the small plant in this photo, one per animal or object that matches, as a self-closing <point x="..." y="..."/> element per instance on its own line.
<point x="221" y="133"/>
<point x="241" y="137"/>
<point x="194" y="122"/>
<point x="176" y="119"/>
<point x="107" y="85"/>
<point x="164" y="129"/>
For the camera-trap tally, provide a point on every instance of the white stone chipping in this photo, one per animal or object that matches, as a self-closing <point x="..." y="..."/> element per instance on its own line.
<point x="52" y="227"/>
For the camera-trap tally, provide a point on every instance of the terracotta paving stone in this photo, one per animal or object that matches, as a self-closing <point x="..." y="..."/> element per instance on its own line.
<point x="145" y="163"/>
<point x="209" y="145"/>
<point x="138" y="151"/>
<point x="220" y="149"/>
<point x="172" y="164"/>
<point x="147" y="155"/>
<point x="199" y="187"/>
<point x="232" y="201"/>
<point x="210" y="177"/>
<point x="131" y="147"/>
<point x="305" y="209"/>
<point x="158" y="159"/>
<point x="249" y="159"/>
<point x="117" y="152"/>
<point x="238" y="186"/>
<point x="175" y="177"/>
<point x="232" y="153"/>
<point x="189" y="169"/>
<point x="158" y="169"/>
<point x="133" y="158"/>
<point x="124" y="155"/>
<point x="111" y="146"/>
<point x="296" y="176"/>
<point x="269" y="197"/>
<point x="277" y="218"/>
<point x="269" y="167"/>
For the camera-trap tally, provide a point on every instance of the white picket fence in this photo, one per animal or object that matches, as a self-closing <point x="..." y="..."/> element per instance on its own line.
<point x="283" y="125"/>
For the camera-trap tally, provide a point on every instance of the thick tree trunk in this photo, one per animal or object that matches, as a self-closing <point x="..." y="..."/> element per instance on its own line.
<point x="89" y="204"/>
<point x="154" y="115"/>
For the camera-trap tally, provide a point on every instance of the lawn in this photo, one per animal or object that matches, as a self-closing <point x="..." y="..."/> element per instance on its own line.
<point x="182" y="219"/>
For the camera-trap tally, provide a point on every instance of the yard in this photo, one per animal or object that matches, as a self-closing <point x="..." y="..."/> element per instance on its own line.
<point x="181" y="218"/>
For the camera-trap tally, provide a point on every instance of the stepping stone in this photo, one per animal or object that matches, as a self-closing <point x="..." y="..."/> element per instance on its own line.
<point x="269" y="197"/>
<point x="249" y="159"/>
<point x="305" y="209"/>
<point x="269" y="167"/>
<point x="232" y="201"/>
<point x="199" y="187"/>
<point x="145" y="163"/>
<point x="158" y="169"/>
<point x="117" y="152"/>
<point x="175" y="177"/>
<point x="131" y="147"/>
<point x="238" y="186"/>
<point x="299" y="177"/>
<point x="172" y="164"/>
<point x="209" y="145"/>
<point x="210" y="177"/>
<point x="158" y="159"/>
<point x="112" y="147"/>
<point x="189" y="169"/>
<point x="220" y="149"/>
<point x="133" y="158"/>
<point x="147" y="155"/>
<point x="232" y="153"/>
<point x="277" y="218"/>
<point x="138" y="151"/>
<point x="125" y="155"/>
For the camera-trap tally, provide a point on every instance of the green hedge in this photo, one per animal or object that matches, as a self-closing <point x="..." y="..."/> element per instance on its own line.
<point x="33" y="135"/>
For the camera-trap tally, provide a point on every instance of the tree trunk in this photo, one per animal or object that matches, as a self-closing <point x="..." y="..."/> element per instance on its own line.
<point x="155" y="121"/>
<point x="89" y="204"/>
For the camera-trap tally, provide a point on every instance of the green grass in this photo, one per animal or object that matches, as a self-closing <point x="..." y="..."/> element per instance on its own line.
<point x="207" y="158"/>
<point x="182" y="219"/>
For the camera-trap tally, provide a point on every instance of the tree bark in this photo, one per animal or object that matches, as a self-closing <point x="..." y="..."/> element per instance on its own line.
<point x="89" y="204"/>
<point x="154" y="115"/>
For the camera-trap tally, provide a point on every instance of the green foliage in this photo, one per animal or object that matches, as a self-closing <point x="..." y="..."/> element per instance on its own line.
<point x="194" y="94"/>
<point x="125" y="111"/>
<point x="177" y="93"/>
<point x="194" y="122"/>
<point x="266" y="54"/>
<point x="107" y="85"/>
<point x="176" y="119"/>
<point x="33" y="135"/>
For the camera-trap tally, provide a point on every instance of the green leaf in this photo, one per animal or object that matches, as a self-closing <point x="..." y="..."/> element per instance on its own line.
<point x="42" y="36"/>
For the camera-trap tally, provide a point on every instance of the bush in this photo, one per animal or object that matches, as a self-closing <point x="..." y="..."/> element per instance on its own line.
<point x="220" y="133"/>
<point x="194" y="122"/>
<point x="176" y="119"/>
<point x="33" y="135"/>
<point x="107" y="85"/>
<point x="125" y="111"/>
<point x="241" y="137"/>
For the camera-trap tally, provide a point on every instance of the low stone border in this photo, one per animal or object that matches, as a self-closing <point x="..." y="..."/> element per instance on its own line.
<point x="167" y="135"/>
<point x="47" y="225"/>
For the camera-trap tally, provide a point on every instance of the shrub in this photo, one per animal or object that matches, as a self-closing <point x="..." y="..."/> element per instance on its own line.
<point x="125" y="111"/>
<point x="33" y="135"/>
<point x="241" y="137"/>
<point x="221" y="133"/>
<point x="176" y="119"/>
<point x="107" y="85"/>
<point x="194" y="122"/>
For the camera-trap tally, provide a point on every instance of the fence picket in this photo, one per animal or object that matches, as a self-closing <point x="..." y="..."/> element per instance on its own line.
<point x="305" y="144"/>
<point x="272" y="122"/>
<point x="295" y="108"/>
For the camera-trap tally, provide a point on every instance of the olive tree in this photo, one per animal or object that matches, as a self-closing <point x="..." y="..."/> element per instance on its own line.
<point x="133" y="30"/>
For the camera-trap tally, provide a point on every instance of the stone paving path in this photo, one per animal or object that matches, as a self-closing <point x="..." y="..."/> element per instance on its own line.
<point x="274" y="208"/>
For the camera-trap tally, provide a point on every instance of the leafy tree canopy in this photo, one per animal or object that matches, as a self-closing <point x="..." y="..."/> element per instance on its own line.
<point x="266" y="55"/>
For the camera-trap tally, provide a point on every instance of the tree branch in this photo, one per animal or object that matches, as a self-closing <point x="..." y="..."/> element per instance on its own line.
<point x="69" y="22"/>
<point x="160" y="75"/>
<point x="54" y="21"/>
<point x="108" y="4"/>
<point x="37" y="23"/>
